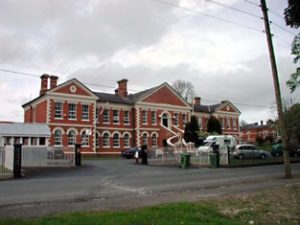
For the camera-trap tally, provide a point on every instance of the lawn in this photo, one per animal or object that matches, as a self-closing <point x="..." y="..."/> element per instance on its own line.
<point x="276" y="206"/>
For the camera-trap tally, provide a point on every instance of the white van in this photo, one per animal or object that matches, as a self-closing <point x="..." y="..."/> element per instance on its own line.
<point x="224" y="142"/>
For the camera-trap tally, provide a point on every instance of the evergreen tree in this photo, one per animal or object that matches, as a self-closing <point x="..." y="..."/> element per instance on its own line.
<point x="214" y="125"/>
<point x="191" y="131"/>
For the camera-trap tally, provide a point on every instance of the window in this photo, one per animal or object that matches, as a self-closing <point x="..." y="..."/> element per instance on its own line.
<point x="97" y="139"/>
<point x="228" y="123"/>
<point x="116" y="140"/>
<point x="126" y="141"/>
<point x="72" y="111"/>
<point x="153" y="117"/>
<point x="85" y="112"/>
<point x="200" y="122"/>
<point x="58" y="110"/>
<point x="144" y="117"/>
<point x="223" y="123"/>
<point x="154" y="140"/>
<point x="176" y="119"/>
<point x="234" y="124"/>
<point x="126" y="117"/>
<point x="97" y="114"/>
<point x="183" y="119"/>
<point x="34" y="141"/>
<point x="106" y="140"/>
<point x="42" y="141"/>
<point x="116" y="116"/>
<point x="71" y="137"/>
<point x="165" y="120"/>
<point x="105" y="116"/>
<point x="57" y="138"/>
<point x="84" y="139"/>
<point x="145" y="139"/>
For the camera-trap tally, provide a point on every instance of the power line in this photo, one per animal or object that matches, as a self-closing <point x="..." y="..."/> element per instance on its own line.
<point x="252" y="3"/>
<point x="20" y="73"/>
<point x="208" y="15"/>
<point x="234" y="9"/>
<point x="113" y="87"/>
<point x="282" y="28"/>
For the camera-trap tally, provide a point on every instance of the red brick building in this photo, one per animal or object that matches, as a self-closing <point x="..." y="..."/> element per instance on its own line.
<point x="250" y="132"/>
<point x="107" y="123"/>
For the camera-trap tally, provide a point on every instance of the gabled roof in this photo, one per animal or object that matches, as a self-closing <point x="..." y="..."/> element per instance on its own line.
<point x="213" y="108"/>
<point x="144" y="94"/>
<point x="73" y="80"/>
<point x="24" y="130"/>
<point x="206" y="108"/>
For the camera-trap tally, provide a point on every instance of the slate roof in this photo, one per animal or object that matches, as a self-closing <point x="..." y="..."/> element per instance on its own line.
<point x="129" y="100"/>
<point x="206" y="108"/>
<point x="24" y="130"/>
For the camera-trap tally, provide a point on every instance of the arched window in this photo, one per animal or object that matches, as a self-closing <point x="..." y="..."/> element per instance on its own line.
<point x="145" y="139"/>
<point x="116" y="140"/>
<point x="165" y="120"/>
<point x="84" y="139"/>
<point x="97" y="139"/>
<point x="106" y="140"/>
<point x="57" y="137"/>
<point x="126" y="140"/>
<point x="71" y="137"/>
<point x="154" y="140"/>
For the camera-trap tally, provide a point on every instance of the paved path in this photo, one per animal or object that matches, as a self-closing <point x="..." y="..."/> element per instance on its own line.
<point x="120" y="184"/>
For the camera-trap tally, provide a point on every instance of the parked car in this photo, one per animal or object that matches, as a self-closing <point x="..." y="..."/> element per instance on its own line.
<point x="248" y="151"/>
<point x="129" y="153"/>
<point x="277" y="150"/>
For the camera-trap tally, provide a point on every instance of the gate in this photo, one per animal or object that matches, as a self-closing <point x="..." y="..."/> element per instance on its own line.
<point x="43" y="156"/>
<point x="6" y="161"/>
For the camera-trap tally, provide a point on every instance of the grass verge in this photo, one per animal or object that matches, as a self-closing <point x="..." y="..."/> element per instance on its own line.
<point x="276" y="206"/>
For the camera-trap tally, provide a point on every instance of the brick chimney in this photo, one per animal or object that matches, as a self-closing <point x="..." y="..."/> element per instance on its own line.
<point x="53" y="81"/>
<point x="44" y="84"/>
<point x="122" y="88"/>
<point x="197" y="101"/>
<point x="261" y="122"/>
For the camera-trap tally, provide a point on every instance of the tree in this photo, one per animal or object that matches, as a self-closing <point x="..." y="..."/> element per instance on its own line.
<point x="292" y="120"/>
<point x="191" y="131"/>
<point x="214" y="125"/>
<point x="292" y="13"/>
<point x="292" y="19"/>
<point x="185" y="89"/>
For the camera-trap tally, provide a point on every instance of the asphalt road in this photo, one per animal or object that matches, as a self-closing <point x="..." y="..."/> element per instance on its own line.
<point x="121" y="184"/>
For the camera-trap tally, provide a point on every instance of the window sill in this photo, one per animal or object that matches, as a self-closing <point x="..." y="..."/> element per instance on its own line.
<point x="106" y="146"/>
<point x="116" y="146"/>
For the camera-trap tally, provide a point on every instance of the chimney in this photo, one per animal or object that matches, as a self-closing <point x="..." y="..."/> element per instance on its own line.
<point x="261" y="122"/>
<point x="53" y="81"/>
<point x="44" y="84"/>
<point x="122" y="88"/>
<point x="197" y="101"/>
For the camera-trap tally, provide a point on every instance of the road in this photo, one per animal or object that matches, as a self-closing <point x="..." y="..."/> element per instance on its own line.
<point x="121" y="184"/>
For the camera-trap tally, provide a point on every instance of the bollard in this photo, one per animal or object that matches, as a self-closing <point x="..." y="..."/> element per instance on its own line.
<point x="17" y="160"/>
<point x="77" y="155"/>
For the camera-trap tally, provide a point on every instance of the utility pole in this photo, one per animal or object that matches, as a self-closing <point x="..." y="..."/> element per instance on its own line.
<point x="286" y="159"/>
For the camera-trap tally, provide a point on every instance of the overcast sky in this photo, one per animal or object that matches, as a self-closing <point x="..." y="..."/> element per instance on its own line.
<point x="222" y="51"/>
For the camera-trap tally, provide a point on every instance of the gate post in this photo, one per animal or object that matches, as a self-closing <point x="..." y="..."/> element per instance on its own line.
<point x="77" y="155"/>
<point x="17" y="160"/>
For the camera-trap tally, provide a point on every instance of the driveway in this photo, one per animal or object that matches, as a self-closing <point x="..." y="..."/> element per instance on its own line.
<point x="121" y="184"/>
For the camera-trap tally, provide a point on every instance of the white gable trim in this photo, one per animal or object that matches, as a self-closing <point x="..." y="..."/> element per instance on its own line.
<point x="77" y="83"/>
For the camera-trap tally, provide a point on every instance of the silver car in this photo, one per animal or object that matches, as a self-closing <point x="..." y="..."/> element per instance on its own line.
<point x="248" y="151"/>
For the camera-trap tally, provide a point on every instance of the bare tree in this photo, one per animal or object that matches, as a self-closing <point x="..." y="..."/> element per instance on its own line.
<point x="185" y="89"/>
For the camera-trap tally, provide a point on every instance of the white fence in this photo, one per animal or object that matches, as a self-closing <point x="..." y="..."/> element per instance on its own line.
<point x="172" y="156"/>
<point x="6" y="161"/>
<point x="40" y="156"/>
